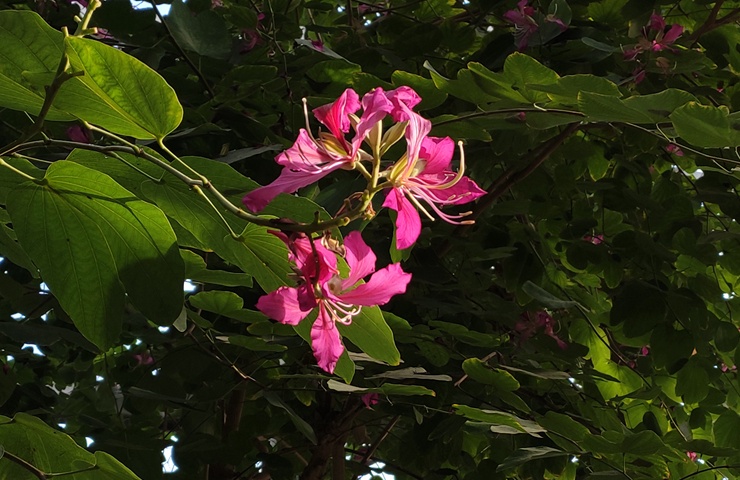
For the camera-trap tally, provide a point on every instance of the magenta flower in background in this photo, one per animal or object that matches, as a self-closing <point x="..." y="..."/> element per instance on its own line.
<point x="661" y="41"/>
<point x="424" y="175"/>
<point x="78" y="134"/>
<point x="370" y="399"/>
<point x="338" y="299"/>
<point x="674" y="149"/>
<point x="528" y="327"/>
<point x="524" y="25"/>
<point x="595" y="239"/>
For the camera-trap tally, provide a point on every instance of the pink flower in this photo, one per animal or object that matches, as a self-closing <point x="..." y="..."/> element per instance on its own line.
<point x="250" y="36"/>
<point x="527" y="327"/>
<point x="144" y="359"/>
<point x="370" y="399"/>
<point x="78" y="134"/>
<point x="674" y="149"/>
<point x="318" y="45"/>
<point x="337" y="299"/>
<point x="312" y="158"/>
<point x="595" y="239"/>
<point x="424" y="175"/>
<point x="692" y="456"/>
<point x="662" y="40"/>
<point x="524" y="25"/>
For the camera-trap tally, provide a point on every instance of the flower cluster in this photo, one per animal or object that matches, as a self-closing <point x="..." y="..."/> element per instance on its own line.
<point x="525" y="24"/>
<point x="655" y="38"/>
<point x="321" y="287"/>
<point x="420" y="181"/>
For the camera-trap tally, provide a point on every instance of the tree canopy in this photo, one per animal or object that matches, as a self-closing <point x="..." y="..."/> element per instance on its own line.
<point x="438" y="239"/>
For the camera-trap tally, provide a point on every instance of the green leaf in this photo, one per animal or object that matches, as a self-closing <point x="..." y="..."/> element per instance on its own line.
<point x="705" y="126"/>
<point x="522" y="70"/>
<point x="480" y="372"/>
<point x="13" y="251"/>
<point x="726" y="337"/>
<point x="608" y="108"/>
<point x="565" y="91"/>
<point x="727" y="429"/>
<point x="639" y="308"/>
<point x="386" y="389"/>
<point x="528" y="454"/>
<point x="371" y="334"/>
<point x="257" y="252"/>
<point x="195" y="269"/>
<point x="49" y="450"/>
<point x="563" y="425"/>
<point x="692" y="383"/>
<point x="29" y="45"/>
<point x="544" y="297"/>
<point x="642" y="443"/>
<point x="204" y="33"/>
<point x="298" y="422"/>
<point x="118" y="92"/>
<point x="660" y="105"/>
<point x="217" y="301"/>
<point x="501" y="422"/>
<point x="94" y="241"/>
<point x="228" y="304"/>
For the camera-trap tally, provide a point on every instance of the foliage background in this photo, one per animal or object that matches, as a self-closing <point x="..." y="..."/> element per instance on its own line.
<point x="584" y="327"/>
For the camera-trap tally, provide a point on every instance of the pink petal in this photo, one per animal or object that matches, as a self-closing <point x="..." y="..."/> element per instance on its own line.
<point x="308" y="259"/>
<point x="657" y="23"/>
<point x="408" y="222"/>
<point x="464" y="191"/>
<point x="360" y="258"/>
<point x="437" y="152"/>
<point x="288" y="182"/>
<point x="382" y="286"/>
<point x="672" y="35"/>
<point x="403" y="99"/>
<point x="283" y="305"/>
<point x="335" y="115"/>
<point x="375" y="106"/>
<point x="416" y="132"/>
<point x="516" y="17"/>
<point x="304" y="155"/>
<point x="325" y="341"/>
<point x="77" y="134"/>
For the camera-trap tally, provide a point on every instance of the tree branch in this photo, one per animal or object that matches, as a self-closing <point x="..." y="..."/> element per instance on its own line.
<point x="508" y="179"/>
<point x="711" y="23"/>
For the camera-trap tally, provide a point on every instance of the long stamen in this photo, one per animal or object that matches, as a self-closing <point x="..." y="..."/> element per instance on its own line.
<point x="305" y="115"/>
<point x="419" y="206"/>
<point x="454" y="219"/>
<point x="346" y="317"/>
